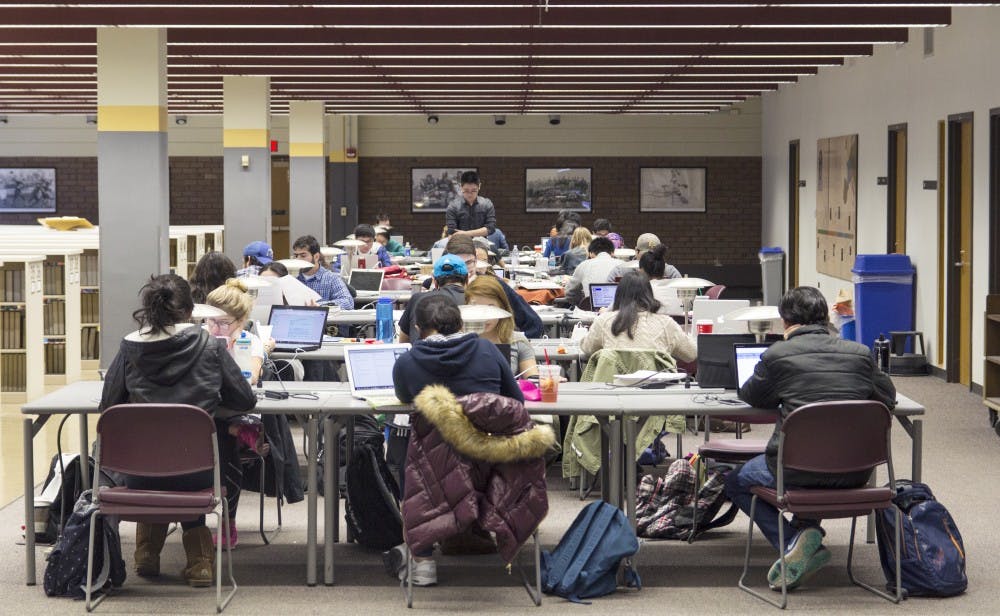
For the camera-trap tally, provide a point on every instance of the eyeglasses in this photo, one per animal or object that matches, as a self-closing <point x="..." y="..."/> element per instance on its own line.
<point x="470" y="191"/>
<point x="220" y="323"/>
<point x="305" y="256"/>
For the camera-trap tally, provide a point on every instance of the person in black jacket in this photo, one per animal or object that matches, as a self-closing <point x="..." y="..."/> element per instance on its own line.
<point x="172" y="361"/>
<point x="812" y="364"/>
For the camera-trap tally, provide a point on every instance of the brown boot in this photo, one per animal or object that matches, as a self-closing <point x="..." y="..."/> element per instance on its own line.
<point x="200" y="557"/>
<point x="149" y="540"/>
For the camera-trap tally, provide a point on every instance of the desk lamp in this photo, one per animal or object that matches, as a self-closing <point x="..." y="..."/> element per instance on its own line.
<point x="760" y="319"/>
<point x="475" y="316"/>
<point x="330" y="252"/>
<point x="351" y="247"/>
<point x="294" y="266"/>
<point x="687" y="290"/>
<point x="255" y="284"/>
<point x="204" y="311"/>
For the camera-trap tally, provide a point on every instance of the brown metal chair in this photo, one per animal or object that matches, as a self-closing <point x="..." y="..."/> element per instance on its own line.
<point x="159" y="440"/>
<point x="836" y="438"/>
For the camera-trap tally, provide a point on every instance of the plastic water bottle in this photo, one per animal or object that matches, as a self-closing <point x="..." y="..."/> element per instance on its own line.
<point x="243" y="355"/>
<point x="882" y="348"/>
<point x="513" y="263"/>
<point x="552" y="262"/>
<point x="384" y="328"/>
<point x="406" y="249"/>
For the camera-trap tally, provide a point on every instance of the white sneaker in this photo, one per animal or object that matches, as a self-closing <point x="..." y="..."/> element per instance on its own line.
<point x="425" y="573"/>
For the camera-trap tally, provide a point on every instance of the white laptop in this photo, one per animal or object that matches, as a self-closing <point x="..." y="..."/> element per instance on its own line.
<point x="397" y="238"/>
<point x="746" y="358"/>
<point x="366" y="280"/>
<point x="297" y="328"/>
<point x="369" y="369"/>
<point x="715" y="310"/>
<point x="365" y="261"/>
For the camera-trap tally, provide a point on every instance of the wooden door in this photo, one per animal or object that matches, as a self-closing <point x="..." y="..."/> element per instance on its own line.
<point x="279" y="209"/>
<point x="793" y="214"/>
<point x="959" y="252"/>
<point x="896" y="193"/>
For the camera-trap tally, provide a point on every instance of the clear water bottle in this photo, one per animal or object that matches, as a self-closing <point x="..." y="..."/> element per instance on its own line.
<point x="243" y="356"/>
<point x="406" y="249"/>
<point x="384" y="328"/>
<point x="553" y="262"/>
<point x="513" y="263"/>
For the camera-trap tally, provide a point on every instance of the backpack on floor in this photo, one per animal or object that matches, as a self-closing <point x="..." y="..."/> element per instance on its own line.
<point x="66" y="569"/>
<point x="933" y="555"/>
<point x="61" y="489"/>
<point x="586" y="562"/>
<point x="372" y="506"/>
<point x="665" y="506"/>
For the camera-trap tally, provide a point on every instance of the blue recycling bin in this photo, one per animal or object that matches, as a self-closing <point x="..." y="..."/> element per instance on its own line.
<point x="883" y="295"/>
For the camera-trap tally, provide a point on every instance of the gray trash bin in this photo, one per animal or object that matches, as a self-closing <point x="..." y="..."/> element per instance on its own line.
<point x="772" y="274"/>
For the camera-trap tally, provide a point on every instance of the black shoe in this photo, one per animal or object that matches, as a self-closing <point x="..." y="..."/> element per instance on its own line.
<point x="394" y="560"/>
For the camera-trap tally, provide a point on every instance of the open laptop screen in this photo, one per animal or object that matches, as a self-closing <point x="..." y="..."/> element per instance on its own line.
<point x="746" y="357"/>
<point x="369" y="367"/>
<point x="298" y="326"/>
<point x="366" y="280"/>
<point x="365" y="261"/>
<point x="602" y="295"/>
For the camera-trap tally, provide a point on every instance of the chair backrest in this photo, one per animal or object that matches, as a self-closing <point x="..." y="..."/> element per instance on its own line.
<point x="836" y="437"/>
<point x="156" y="440"/>
<point x="715" y="291"/>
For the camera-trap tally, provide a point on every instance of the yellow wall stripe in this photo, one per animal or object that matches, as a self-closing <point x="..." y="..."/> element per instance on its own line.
<point x="305" y="149"/>
<point x="132" y="118"/>
<point x="246" y="138"/>
<point x="340" y="156"/>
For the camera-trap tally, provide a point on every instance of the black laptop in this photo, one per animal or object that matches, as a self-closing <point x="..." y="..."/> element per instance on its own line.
<point x="716" y="366"/>
<point x="297" y="328"/>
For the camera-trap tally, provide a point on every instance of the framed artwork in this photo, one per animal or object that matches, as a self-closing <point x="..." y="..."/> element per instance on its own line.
<point x="836" y="205"/>
<point x="27" y="190"/>
<point x="672" y="189"/>
<point x="433" y="189"/>
<point x="551" y="190"/>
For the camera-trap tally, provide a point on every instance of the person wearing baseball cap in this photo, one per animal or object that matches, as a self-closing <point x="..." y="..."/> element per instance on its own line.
<point x="450" y="275"/>
<point x="255" y="255"/>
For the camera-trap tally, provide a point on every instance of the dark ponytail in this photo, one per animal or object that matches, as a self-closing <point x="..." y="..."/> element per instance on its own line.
<point x="654" y="261"/>
<point x="166" y="300"/>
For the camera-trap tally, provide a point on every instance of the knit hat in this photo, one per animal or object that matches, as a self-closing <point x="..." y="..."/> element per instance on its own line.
<point x="646" y="241"/>
<point x="450" y="265"/>
<point x="260" y="251"/>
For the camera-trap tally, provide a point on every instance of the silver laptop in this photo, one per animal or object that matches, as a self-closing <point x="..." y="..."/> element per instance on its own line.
<point x="397" y="238"/>
<point x="602" y="295"/>
<point x="368" y="280"/>
<point x="712" y="309"/>
<point x="297" y="328"/>
<point x="364" y="262"/>
<point x="746" y="357"/>
<point x="369" y="368"/>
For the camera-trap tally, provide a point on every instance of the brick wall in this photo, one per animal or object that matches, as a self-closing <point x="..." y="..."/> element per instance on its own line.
<point x="728" y="231"/>
<point x="195" y="189"/>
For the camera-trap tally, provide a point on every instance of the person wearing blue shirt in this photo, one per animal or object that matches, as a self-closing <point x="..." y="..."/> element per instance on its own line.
<point x="366" y="234"/>
<point x="331" y="287"/>
<point x="498" y="239"/>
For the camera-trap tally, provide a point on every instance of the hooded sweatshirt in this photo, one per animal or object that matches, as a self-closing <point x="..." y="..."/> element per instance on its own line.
<point x="465" y="365"/>
<point x="186" y="366"/>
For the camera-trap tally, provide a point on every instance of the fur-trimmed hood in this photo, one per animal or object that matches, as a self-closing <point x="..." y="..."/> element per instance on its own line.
<point x="484" y="426"/>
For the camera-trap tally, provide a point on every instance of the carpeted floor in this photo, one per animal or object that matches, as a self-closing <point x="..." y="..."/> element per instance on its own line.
<point x="961" y="464"/>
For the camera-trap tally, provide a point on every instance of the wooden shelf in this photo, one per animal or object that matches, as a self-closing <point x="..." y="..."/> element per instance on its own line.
<point x="59" y="297"/>
<point x="992" y="402"/>
<point x="48" y="337"/>
<point x="13" y="351"/>
<point x="84" y="287"/>
<point x="13" y="304"/>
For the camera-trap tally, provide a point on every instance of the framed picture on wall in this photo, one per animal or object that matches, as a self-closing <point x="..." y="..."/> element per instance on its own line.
<point x="672" y="189"/>
<point x="551" y="190"/>
<point x="27" y="190"/>
<point x="433" y="189"/>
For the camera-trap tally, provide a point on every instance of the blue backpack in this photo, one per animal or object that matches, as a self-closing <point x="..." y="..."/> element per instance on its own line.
<point x="933" y="556"/>
<point x="585" y="563"/>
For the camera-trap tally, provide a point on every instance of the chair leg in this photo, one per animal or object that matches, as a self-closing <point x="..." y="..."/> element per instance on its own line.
<point x="88" y="586"/>
<point x="746" y="563"/>
<point x="223" y="525"/>
<point x="850" y="560"/>
<point x="535" y="592"/>
<point x="409" y="578"/>
<point x="267" y="535"/>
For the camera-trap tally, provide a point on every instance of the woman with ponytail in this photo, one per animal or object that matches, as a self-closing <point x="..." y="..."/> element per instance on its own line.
<point x="169" y="360"/>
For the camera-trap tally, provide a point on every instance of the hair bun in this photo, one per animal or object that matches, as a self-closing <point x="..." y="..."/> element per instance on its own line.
<point x="237" y="283"/>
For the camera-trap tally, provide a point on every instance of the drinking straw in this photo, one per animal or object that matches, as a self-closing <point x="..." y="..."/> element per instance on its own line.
<point x="547" y="362"/>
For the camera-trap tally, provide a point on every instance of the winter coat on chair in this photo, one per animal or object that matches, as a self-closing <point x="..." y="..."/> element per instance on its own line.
<point x="477" y="458"/>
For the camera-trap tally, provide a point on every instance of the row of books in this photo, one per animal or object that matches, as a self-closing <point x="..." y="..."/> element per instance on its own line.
<point x="55" y="357"/>
<point x="53" y="277"/>
<point x="90" y="343"/>
<point x="13" y="285"/>
<point x="90" y="306"/>
<point x="54" y="317"/>
<point x="11" y="328"/>
<point x="90" y="272"/>
<point x="13" y="372"/>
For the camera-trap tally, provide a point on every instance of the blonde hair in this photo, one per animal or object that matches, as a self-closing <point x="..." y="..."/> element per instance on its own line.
<point x="581" y="237"/>
<point x="488" y="287"/>
<point x="233" y="298"/>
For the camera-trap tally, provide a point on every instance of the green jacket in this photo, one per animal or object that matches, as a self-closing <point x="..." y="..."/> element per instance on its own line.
<point x="582" y="443"/>
<point x="394" y="248"/>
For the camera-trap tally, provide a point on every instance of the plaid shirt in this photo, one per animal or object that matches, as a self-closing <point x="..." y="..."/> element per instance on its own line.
<point x="330" y="287"/>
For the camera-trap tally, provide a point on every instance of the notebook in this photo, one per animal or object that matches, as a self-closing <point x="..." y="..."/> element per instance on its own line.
<point x="297" y="328"/>
<point x="369" y="369"/>
<point x="715" y="359"/>
<point x="602" y="295"/>
<point x="366" y="280"/>
<point x="745" y="358"/>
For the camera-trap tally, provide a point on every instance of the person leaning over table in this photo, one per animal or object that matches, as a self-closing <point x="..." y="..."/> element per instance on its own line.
<point x="810" y="365"/>
<point x="647" y="242"/>
<point x="255" y="255"/>
<point x="592" y="271"/>
<point x="330" y="287"/>
<point x="577" y="252"/>
<point x="633" y="323"/>
<point x="470" y="214"/>
<point x="170" y="360"/>
<point x="390" y="245"/>
<point x="366" y="235"/>
<point x="451" y="273"/>
<point x="488" y="291"/>
<point x="462" y="362"/>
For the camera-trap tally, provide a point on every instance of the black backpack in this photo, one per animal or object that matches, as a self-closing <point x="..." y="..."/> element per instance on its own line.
<point x="366" y="432"/>
<point x="372" y="505"/>
<point x="65" y="483"/>
<point x="66" y="570"/>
